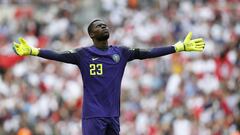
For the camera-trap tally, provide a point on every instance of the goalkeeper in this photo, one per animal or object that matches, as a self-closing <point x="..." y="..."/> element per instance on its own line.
<point x="102" y="67"/>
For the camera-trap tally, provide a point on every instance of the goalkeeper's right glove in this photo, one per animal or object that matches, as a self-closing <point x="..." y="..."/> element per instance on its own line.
<point x="190" y="44"/>
<point x="23" y="49"/>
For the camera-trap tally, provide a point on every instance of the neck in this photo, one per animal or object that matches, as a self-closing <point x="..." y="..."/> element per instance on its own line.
<point x="102" y="45"/>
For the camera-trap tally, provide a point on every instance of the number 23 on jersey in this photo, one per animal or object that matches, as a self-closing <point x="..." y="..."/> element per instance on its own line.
<point x="96" y="69"/>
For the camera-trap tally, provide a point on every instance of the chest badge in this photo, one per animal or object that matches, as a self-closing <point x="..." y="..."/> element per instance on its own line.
<point x="116" y="58"/>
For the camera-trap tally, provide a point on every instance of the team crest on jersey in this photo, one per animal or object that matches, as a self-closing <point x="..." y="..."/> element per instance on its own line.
<point x="116" y="58"/>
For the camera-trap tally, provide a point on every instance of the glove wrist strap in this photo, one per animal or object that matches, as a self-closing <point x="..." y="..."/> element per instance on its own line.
<point x="179" y="46"/>
<point x="34" y="51"/>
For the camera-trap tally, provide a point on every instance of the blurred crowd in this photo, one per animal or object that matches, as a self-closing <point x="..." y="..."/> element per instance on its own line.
<point x="186" y="93"/>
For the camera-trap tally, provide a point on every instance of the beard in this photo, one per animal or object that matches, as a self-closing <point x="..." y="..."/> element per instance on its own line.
<point x="103" y="37"/>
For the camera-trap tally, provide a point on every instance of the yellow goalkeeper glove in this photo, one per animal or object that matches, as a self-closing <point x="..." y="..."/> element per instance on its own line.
<point x="23" y="49"/>
<point x="190" y="44"/>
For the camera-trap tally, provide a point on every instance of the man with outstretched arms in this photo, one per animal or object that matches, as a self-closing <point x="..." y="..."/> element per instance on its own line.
<point x="102" y="67"/>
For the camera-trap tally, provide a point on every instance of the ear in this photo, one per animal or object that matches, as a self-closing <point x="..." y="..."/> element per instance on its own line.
<point x="91" y="35"/>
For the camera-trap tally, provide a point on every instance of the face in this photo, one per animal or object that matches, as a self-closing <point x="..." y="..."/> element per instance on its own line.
<point x="100" y="31"/>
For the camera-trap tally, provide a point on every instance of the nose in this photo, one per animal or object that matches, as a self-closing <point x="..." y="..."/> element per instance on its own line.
<point x="103" y="26"/>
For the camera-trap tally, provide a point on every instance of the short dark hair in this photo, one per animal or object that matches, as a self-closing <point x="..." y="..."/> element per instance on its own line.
<point x="90" y="25"/>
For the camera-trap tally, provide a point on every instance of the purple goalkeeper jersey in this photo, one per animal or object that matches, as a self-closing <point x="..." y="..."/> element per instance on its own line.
<point x="102" y="72"/>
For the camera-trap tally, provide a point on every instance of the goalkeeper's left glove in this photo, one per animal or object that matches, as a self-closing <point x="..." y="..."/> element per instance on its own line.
<point x="23" y="49"/>
<point x="190" y="44"/>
